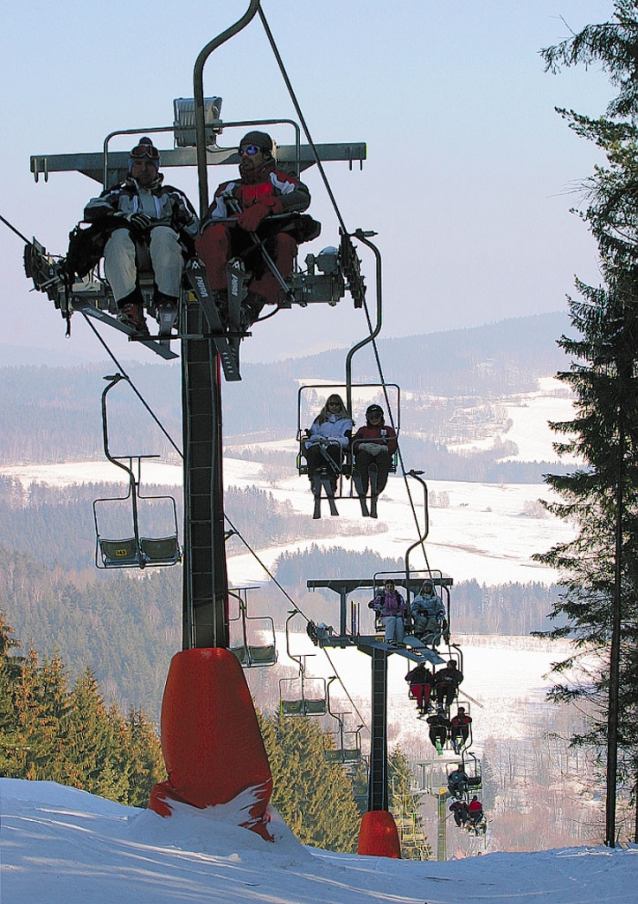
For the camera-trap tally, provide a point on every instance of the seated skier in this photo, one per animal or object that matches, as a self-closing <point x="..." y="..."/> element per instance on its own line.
<point x="238" y="225"/>
<point x="327" y="440"/>
<point x="390" y="607"/>
<point x="439" y="728"/>
<point x="428" y="614"/>
<point x="459" y="810"/>
<point x="373" y="447"/>
<point x="421" y="684"/>
<point x="460" y="730"/>
<point x="143" y="211"/>
<point x="457" y="782"/>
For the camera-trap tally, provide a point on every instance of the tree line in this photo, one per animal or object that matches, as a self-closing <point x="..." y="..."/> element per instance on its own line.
<point x="599" y="602"/>
<point x="59" y="730"/>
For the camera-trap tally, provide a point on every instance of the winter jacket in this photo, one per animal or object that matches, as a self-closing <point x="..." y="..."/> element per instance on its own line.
<point x="379" y="435"/>
<point x="388" y="603"/>
<point x="420" y="675"/>
<point x="270" y="183"/>
<point x="165" y="205"/>
<point x="459" y="721"/>
<point x="447" y="677"/>
<point x="334" y="428"/>
<point x="428" y="606"/>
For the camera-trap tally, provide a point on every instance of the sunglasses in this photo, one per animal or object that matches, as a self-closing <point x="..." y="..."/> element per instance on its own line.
<point x="145" y="150"/>
<point x="332" y="404"/>
<point x="250" y="149"/>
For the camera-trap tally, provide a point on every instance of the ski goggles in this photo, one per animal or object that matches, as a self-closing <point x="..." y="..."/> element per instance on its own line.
<point x="145" y="150"/>
<point x="250" y="149"/>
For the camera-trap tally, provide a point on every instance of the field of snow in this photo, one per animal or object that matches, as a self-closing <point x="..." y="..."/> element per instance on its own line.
<point x="488" y="532"/>
<point x="60" y="844"/>
<point x="504" y="688"/>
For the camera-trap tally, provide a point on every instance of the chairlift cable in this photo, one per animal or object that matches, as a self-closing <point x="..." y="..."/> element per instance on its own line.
<point x="377" y="358"/>
<point x="302" y="120"/>
<point x="333" y="200"/>
<point x="297" y="607"/>
<point x="226" y="518"/>
<point x="133" y="387"/>
<point x="17" y="232"/>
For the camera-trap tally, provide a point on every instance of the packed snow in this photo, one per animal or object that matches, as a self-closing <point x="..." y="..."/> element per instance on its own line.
<point x="60" y="844"/>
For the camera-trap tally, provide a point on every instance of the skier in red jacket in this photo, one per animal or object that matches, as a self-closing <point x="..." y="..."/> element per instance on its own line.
<point x="262" y="189"/>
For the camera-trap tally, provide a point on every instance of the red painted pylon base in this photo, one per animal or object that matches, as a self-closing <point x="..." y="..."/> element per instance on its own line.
<point x="211" y="741"/>
<point x="378" y="835"/>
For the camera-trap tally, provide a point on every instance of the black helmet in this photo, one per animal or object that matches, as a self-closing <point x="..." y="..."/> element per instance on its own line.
<point x="374" y="411"/>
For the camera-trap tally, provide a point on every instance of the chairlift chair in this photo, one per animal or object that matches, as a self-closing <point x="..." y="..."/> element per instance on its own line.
<point x="301" y="695"/>
<point x="133" y="550"/>
<point x="357" y="397"/>
<point x="252" y="636"/>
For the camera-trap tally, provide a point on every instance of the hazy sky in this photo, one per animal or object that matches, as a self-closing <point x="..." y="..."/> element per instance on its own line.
<point x="470" y="172"/>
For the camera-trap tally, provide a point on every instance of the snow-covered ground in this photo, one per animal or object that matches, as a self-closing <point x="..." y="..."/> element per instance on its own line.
<point x="505" y="686"/>
<point x="61" y="845"/>
<point x="489" y="531"/>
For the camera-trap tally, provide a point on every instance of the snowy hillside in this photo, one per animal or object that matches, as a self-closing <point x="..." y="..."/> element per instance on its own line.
<point x="61" y="845"/>
<point x="487" y="532"/>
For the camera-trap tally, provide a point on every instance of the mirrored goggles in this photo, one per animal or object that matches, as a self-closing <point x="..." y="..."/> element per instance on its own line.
<point x="145" y="150"/>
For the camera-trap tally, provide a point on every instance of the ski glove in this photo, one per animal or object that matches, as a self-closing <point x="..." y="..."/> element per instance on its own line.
<point x="137" y="220"/>
<point x="250" y="218"/>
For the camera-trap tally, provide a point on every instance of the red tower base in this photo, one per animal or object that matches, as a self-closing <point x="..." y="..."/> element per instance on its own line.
<point x="211" y="741"/>
<point x="378" y="835"/>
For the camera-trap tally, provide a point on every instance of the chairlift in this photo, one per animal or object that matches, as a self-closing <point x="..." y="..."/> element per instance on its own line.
<point x="252" y="636"/>
<point x="134" y="550"/>
<point x="357" y="397"/>
<point x="301" y="695"/>
<point x="347" y="749"/>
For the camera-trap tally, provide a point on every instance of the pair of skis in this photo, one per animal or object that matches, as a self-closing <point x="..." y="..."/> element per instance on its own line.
<point x="226" y="341"/>
<point x="322" y="481"/>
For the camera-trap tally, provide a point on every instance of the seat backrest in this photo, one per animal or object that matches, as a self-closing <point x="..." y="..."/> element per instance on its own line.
<point x="163" y="550"/>
<point x="119" y="552"/>
<point x="315" y="707"/>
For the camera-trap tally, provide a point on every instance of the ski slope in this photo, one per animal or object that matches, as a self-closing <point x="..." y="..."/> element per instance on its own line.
<point x="61" y="845"/>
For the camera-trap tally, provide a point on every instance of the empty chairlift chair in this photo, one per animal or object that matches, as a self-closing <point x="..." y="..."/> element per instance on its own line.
<point x="252" y="636"/>
<point x="119" y="542"/>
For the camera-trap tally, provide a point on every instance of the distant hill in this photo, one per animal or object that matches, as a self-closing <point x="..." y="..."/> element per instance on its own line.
<point x="53" y="413"/>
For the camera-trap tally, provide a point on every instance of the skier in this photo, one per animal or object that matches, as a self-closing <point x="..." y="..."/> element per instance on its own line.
<point x="247" y="202"/>
<point x="142" y="211"/>
<point x="460" y="730"/>
<point x="390" y="606"/>
<point x="373" y="447"/>
<point x="428" y="613"/>
<point x="421" y="683"/>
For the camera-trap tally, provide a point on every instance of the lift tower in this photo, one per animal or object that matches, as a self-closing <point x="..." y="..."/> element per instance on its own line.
<point x="210" y="735"/>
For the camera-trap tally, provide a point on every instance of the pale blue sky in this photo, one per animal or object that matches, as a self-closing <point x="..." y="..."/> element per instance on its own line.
<point x="470" y="170"/>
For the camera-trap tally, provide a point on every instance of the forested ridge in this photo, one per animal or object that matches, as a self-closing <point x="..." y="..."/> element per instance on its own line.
<point x="53" y="414"/>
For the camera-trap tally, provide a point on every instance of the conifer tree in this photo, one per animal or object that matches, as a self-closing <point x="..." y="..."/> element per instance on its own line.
<point x="313" y="795"/>
<point x="10" y="667"/>
<point x="404" y="805"/>
<point x="600" y="567"/>
<point x="144" y="754"/>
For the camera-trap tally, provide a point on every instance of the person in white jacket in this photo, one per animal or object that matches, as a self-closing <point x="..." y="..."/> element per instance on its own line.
<point x="328" y="439"/>
<point x="142" y="210"/>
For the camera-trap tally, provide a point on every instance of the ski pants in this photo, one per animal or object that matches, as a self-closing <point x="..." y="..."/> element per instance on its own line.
<point x="120" y="265"/>
<point x="421" y="693"/>
<point x="394" y="628"/>
<point x="218" y="243"/>
<point x="316" y="459"/>
<point x="363" y="460"/>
